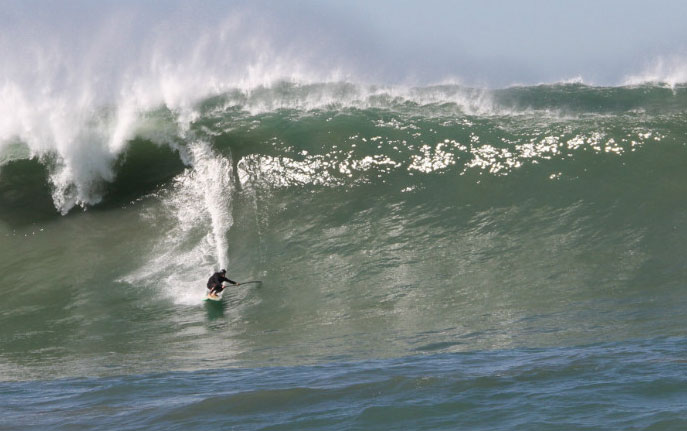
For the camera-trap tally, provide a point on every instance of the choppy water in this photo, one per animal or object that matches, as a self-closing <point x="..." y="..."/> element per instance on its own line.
<point x="432" y="258"/>
<point x="614" y="386"/>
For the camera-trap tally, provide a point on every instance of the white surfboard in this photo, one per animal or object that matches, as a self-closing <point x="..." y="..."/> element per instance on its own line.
<point x="212" y="298"/>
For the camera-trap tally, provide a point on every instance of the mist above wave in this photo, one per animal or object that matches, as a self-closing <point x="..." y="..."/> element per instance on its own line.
<point x="670" y="71"/>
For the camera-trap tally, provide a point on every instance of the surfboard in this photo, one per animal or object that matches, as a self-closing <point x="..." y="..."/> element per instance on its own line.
<point x="212" y="298"/>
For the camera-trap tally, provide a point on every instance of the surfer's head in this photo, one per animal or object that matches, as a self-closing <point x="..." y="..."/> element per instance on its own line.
<point x="222" y="271"/>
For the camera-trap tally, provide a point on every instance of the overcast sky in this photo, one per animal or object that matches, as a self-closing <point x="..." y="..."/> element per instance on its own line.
<point x="486" y="42"/>
<point x="527" y="41"/>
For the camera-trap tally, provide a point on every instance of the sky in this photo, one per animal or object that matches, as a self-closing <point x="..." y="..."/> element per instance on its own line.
<point x="486" y="43"/>
<point x="528" y="41"/>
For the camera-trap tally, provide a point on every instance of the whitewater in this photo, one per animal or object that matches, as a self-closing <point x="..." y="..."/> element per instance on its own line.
<point x="433" y="255"/>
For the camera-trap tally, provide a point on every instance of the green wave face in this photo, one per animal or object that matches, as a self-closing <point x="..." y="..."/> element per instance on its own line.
<point x="383" y="222"/>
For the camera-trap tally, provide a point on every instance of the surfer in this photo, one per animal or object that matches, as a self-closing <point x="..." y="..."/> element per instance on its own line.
<point x="215" y="282"/>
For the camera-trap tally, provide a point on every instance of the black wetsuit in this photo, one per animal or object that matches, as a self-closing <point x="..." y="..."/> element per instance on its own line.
<point x="215" y="282"/>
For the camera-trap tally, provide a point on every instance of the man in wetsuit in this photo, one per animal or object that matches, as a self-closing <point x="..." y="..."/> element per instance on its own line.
<point x="215" y="282"/>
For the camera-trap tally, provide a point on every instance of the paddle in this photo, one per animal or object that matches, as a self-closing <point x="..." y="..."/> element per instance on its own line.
<point x="249" y="282"/>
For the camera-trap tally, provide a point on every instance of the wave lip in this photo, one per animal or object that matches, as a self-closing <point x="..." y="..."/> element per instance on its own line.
<point x="82" y="146"/>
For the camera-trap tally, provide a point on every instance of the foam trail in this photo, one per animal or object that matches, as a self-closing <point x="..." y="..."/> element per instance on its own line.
<point x="198" y="209"/>
<point x="213" y="182"/>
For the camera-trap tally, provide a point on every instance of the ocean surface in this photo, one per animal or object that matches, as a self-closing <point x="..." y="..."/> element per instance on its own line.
<point x="434" y="257"/>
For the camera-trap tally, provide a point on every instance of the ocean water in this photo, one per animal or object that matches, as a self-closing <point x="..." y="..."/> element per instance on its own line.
<point x="433" y="257"/>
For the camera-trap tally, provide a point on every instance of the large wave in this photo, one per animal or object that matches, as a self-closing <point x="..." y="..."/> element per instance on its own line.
<point x="74" y="96"/>
<point x="193" y="109"/>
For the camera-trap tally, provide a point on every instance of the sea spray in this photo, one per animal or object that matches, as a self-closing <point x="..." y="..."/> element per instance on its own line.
<point x="197" y="208"/>
<point x="73" y="95"/>
<point x="213" y="180"/>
